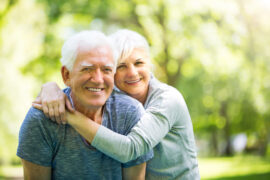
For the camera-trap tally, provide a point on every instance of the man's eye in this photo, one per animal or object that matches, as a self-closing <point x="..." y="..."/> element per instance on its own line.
<point x="86" y="69"/>
<point x="108" y="70"/>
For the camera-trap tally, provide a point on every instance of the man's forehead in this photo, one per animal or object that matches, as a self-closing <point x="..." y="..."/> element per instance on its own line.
<point x="87" y="64"/>
<point x="103" y="49"/>
<point x="101" y="52"/>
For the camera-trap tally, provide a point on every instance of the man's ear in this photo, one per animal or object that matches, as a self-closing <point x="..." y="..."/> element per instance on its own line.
<point x="65" y="75"/>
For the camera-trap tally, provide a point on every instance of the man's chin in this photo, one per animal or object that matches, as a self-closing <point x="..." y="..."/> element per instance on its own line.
<point x="95" y="104"/>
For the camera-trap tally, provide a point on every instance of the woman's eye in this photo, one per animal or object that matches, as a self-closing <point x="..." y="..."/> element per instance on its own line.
<point x="121" y="66"/>
<point x="138" y="62"/>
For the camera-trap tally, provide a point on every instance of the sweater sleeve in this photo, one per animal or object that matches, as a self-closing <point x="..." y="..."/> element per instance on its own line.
<point x="146" y="134"/>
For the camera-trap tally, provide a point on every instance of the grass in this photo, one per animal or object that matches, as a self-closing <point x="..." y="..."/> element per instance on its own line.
<point x="11" y="172"/>
<point x="224" y="168"/>
<point x="232" y="168"/>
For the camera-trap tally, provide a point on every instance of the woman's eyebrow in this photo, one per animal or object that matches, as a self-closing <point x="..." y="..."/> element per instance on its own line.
<point x="122" y="63"/>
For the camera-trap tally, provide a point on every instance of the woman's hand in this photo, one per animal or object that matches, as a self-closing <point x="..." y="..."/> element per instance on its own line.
<point x="52" y="101"/>
<point x="82" y="124"/>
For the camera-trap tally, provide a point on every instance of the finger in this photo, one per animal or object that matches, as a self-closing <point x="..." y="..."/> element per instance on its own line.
<point x="67" y="116"/>
<point x="37" y="106"/>
<point x="64" y="121"/>
<point x="68" y="105"/>
<point x="51" y="112"/>
<point x="62" y="111"/>
<point x="37" y="100"/>
<point x="56" y="113"/>
<point x="45" y="109"/>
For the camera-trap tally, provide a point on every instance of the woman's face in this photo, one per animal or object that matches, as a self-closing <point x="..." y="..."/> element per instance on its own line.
<point x="133" y="74"/>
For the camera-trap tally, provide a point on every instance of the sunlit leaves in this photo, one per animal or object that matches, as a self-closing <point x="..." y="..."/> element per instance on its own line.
<point x="214" y="52"/>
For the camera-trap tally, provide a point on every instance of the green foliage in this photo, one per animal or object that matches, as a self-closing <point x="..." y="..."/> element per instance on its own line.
<point x="215" y="52"/>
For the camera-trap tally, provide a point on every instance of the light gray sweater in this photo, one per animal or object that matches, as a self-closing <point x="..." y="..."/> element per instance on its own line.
<point x="166" y="127"/>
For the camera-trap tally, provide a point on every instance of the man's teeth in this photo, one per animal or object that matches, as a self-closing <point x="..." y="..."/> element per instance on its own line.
<point x="133" y="81"/>
<point x="94" y="89"/>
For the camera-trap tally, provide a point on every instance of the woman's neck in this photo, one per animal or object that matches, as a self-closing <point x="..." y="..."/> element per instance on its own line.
<point x="141" y="96"/>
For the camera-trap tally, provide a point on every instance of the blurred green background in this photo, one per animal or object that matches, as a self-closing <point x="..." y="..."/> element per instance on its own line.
<point x="216" y="52"/>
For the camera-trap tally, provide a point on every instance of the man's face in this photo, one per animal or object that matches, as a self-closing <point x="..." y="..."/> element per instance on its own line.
<point x="92" y="77"/>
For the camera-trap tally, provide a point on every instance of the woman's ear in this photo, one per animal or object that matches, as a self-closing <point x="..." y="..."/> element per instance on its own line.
<point x="65" y="75"/>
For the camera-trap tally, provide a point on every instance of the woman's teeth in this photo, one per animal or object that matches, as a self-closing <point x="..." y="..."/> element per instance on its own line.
<point x="133" y="81"/>
<point x="94" y="89"/>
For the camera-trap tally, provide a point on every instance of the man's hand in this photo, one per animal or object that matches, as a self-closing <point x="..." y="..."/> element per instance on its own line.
<point x="52" y="101"/>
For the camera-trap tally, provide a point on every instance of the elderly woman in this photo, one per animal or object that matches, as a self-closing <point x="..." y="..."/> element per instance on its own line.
<point x="166" y="125"/>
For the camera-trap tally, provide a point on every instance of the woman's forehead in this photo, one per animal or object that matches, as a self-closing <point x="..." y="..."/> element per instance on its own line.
<point x="135" y="54"/>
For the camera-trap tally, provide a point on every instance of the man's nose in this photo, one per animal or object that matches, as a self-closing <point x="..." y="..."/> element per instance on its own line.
<point x="97" y="76"/>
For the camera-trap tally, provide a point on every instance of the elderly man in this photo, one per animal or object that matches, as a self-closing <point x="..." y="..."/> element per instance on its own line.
<point x="49" y="150"/>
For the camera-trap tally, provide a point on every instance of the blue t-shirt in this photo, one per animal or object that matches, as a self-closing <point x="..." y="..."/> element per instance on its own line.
<point x="60" y="147"/>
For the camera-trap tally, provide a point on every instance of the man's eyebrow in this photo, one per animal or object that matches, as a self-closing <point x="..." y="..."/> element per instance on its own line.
<point x="86" y="64"/>
<point x="109" y="65"/>
<point x="92" y="65"/>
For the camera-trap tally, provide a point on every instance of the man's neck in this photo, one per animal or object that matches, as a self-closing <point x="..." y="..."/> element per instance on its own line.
<point x="94" y="113"/>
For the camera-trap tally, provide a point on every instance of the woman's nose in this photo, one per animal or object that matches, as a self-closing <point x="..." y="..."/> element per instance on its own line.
<point x="132" y="71"/>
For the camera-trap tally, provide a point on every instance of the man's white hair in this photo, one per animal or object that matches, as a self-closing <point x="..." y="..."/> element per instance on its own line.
<point x="126" y="40"/>
<point x="86" y="40"/>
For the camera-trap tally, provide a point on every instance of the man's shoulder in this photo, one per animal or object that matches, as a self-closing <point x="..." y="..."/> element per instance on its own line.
<point x="35" y="117"/>
<point x="37" y="138"/>
<point x="119" y="98"/>
<point x="34" y="114"/>
<point x="123" y="107"/>
<point x="123" y="112"/>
